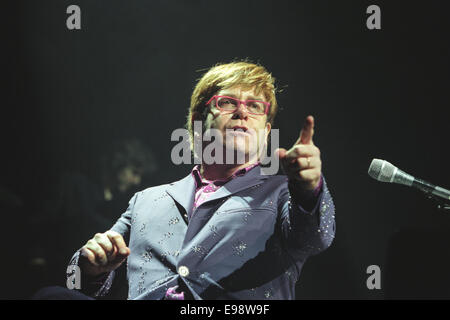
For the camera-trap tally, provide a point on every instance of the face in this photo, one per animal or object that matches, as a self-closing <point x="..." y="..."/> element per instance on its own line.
<point x="241" y="131"/>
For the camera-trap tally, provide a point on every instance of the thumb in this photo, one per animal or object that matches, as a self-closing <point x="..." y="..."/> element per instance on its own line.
<point x="123" y="253"/>
<point x="120" y="255"/>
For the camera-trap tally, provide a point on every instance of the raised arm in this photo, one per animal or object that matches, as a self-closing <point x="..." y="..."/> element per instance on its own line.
<point x="307" y="209"/>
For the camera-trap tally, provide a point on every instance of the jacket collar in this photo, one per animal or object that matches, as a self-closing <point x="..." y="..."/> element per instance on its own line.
<point x="183" y="191"/>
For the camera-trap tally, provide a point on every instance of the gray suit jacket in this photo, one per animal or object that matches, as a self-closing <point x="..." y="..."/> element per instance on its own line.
<point x="249" y="240"/>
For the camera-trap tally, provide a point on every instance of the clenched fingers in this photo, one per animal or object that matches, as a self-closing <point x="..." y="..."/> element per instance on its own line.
<point x="90" y="255"/>
<point x="99" y="252"/>
<point x="105" y="243"/>
<point x="303" y="163"/>
<point x="301" y="150"/>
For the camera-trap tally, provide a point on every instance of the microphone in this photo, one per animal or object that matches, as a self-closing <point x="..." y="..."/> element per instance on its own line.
<point x="384" y="171"/>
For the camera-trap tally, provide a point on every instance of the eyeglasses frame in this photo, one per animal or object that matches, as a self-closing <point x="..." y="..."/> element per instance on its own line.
<point x="267" y="104"/>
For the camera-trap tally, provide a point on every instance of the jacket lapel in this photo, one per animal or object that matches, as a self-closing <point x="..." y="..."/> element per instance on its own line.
<point x="250" y="179"/>
<point x="183" y="192"/>
<point x="202" y="214"/>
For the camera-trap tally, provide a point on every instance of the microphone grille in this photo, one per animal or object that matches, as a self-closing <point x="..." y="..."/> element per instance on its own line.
<point x="381" y="170"/>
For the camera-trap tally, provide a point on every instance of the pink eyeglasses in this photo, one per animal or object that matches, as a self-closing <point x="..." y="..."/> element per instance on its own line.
<point x="230" y="104"/>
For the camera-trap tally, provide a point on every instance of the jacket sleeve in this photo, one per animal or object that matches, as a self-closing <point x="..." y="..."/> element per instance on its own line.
<point x="99" y="286"/>
<point x="307" y="228"/>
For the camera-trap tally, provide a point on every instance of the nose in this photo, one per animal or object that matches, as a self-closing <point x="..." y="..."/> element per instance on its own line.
<point x="241" y="112"/>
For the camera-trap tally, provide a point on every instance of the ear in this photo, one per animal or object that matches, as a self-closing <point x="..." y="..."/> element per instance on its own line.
<point x="268" y="128"/>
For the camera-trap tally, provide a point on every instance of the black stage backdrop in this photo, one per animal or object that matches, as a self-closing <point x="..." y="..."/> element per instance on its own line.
<point x="130" y="71"/>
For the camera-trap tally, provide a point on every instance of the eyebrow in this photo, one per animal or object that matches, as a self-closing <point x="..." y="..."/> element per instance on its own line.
<point x="234" y="96"/>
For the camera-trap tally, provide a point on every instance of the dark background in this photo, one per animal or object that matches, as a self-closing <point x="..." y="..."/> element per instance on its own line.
<point x="130" y="71"/>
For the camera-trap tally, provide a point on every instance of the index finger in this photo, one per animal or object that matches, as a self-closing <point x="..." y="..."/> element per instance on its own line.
<point x="307" y="131"/>
<point x="117" y="239"/>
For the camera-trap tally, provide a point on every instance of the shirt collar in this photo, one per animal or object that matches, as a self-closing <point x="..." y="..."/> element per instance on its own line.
<point x="200" y="181"/>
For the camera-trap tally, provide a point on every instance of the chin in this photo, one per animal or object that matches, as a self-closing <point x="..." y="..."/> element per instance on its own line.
<point x="242" y="154"/>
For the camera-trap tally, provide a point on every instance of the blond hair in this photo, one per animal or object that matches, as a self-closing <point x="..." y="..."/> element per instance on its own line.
<point x="221" y="76"/>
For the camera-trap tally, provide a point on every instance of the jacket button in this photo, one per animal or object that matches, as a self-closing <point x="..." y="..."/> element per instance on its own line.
<point x="183" y="271"/>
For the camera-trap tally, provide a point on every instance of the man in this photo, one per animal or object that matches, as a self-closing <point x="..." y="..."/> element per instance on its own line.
<point x="225" y="231"/>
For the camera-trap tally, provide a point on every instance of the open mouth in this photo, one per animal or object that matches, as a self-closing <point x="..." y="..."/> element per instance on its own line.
<point x="240" y="128"/>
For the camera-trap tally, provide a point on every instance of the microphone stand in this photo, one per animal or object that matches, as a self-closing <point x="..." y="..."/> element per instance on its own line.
<point x="440" y="203"/>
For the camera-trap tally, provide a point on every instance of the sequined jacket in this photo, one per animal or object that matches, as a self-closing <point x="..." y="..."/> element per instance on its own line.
<point x="249" y="240"/>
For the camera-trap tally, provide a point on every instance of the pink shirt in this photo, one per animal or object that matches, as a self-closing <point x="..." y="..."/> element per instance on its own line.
<point x="205" y="188"/>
